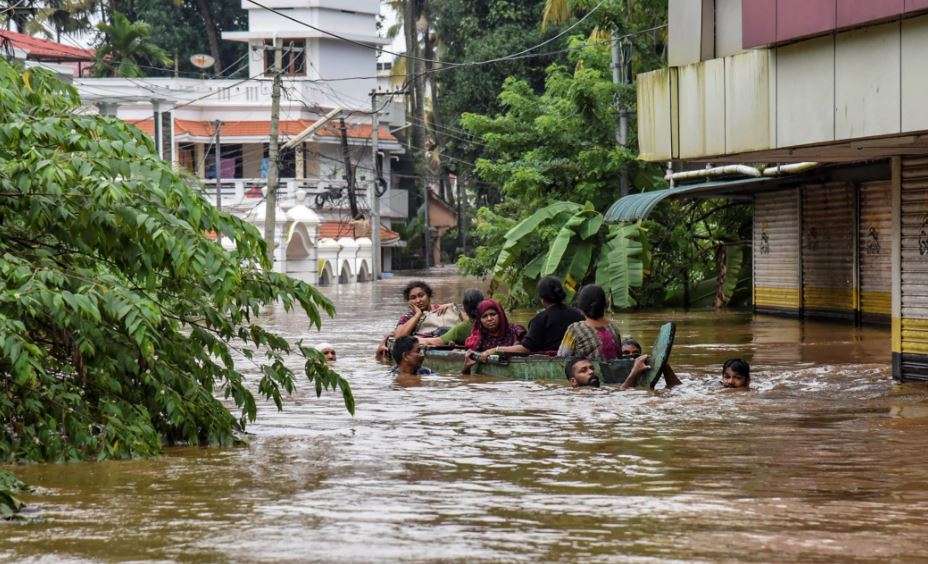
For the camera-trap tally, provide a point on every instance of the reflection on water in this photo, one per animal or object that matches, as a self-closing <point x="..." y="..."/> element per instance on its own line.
<point x="822" y="460"/>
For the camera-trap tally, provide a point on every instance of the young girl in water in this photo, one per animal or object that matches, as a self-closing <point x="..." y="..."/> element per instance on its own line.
<point x="492" y="330"/>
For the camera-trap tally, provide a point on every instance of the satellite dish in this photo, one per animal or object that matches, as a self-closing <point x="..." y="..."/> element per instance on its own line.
<point x="202" y="61"/>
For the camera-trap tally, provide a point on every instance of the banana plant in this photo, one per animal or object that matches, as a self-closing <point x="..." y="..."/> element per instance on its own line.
<point x="573" y="242"/>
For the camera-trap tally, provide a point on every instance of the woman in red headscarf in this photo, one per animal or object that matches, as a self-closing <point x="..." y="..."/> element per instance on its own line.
<point x="492" y="330"/>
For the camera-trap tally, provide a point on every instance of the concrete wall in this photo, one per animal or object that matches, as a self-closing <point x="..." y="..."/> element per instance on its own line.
<point x="690" y="31"/>
<point x="862" y="83"/>
<point x="727" y="27"/>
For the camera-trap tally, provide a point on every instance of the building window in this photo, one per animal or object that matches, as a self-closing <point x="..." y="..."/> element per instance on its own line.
<point x="230" y="161"/>
<point x="294" y="57"/>
<point x="287" y="163"/>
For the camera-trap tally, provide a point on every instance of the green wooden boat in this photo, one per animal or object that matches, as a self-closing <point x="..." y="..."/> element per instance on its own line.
<point x="536" y="367"/>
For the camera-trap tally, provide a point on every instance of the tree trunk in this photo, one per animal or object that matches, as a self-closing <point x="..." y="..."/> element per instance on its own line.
<point x="721" y="262"/>
<point x="435" y="120"/>
<point x="212" y="34"/>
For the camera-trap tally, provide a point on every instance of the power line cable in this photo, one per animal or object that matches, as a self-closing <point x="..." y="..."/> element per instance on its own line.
<point x="407" y="56"/>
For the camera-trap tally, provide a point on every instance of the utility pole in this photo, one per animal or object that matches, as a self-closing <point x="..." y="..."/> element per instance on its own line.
<point x="374" y="197"/>
<point x="270" y="206"/>
<point x="218" y="125"/>
<point x="619" y="77"/>
<point x="349" y="171"/>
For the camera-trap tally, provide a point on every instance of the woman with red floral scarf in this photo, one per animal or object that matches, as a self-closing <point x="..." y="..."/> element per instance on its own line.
<point x="492" y="330"/>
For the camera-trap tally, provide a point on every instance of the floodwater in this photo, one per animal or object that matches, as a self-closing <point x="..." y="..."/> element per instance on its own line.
<point x="823" y="460"/>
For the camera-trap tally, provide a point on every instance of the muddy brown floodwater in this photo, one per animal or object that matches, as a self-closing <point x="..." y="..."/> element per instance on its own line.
<point x="824" y="460"/>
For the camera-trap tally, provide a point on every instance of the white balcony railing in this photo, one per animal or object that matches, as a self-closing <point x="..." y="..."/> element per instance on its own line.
<point x="243" y="193"/>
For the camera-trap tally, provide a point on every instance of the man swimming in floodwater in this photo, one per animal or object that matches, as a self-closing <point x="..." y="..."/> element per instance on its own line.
<point x="581" y="372"/>
<point x="736" y="373"/>
<point x="408" y="357"/>
<point x="328" y="351"/>
<point x="632" y="348"/>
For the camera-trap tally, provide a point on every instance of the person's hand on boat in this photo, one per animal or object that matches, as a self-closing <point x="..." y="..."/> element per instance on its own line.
<point x="641" y="363"/>
<point x="485" y="355"/>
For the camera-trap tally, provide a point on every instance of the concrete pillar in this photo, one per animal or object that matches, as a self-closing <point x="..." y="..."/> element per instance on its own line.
<point x="299" y="157"/>
<point x="896" y="261"/>
<point x="199" y="159"/>
<point x="280" y="249"/>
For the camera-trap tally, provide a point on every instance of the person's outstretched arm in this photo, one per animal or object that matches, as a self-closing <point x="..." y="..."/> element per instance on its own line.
<point x="639" y="368"/>
<point x="670" y="377"/>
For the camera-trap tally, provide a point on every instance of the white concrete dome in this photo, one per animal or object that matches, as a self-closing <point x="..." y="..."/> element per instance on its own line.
<point x="346" y="242"/>
<point x="328" y="243"/>
<point x="258" y="214"/>
<point x="364" y="242"/>
<point x="302" y="214"/>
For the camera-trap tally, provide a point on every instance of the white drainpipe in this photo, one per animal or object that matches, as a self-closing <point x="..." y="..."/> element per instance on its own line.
<point x="789" y="168"/>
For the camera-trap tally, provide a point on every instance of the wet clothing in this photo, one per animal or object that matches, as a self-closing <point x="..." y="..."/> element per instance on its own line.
<point x="584" y="341"/>
<point x="458" y="334"/>
<point x="506" y="335"/>
<point x="546" y="330"/>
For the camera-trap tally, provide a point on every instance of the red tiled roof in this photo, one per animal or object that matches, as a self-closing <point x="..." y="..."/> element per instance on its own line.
<point x="338" y="229"/>
<point x="263" y="128"/>
<point x="43" y="50"/>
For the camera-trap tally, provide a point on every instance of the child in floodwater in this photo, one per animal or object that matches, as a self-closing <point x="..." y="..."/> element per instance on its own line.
<point x="736" y="373"/>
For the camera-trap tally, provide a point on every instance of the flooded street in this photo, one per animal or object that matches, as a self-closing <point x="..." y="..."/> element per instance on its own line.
<point x="822" y="461"/>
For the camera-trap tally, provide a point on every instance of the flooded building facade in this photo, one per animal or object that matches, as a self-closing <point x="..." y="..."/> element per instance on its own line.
<point x="832" y="98"/>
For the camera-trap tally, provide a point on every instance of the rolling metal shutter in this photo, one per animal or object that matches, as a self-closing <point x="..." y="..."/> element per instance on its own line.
<point x="828" y="232"/>
<point x="776" y="252"/>
<point x="914" y="269"/>
<point x="875" y="254"/>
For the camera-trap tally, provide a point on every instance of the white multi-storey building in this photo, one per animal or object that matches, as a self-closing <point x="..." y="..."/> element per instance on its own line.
<point x="318" y="238"/>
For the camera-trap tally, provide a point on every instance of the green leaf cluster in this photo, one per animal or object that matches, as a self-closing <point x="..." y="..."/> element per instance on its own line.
<point x="124" y="324"/>
<point x="558" y="144"/>
<point x="10" y="505"/>
<point x="583" y="249"/>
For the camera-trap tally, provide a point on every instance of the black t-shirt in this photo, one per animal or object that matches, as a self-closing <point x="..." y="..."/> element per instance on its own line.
<point x="546" y="330"/>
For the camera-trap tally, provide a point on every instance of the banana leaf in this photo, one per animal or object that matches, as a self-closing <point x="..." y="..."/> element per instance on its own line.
<point x="562" y="241"/>
<point x="620" y="267"/>
<point x="525" y="227"/>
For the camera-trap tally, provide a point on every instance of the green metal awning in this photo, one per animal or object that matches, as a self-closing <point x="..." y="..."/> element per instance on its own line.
<point x="637" y="206"/>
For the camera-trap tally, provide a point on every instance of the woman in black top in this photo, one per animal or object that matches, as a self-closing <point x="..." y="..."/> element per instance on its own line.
<point x="546" y="330"/>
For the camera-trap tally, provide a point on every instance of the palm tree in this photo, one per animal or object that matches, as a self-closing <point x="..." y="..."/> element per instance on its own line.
<point x="123" y="45"/>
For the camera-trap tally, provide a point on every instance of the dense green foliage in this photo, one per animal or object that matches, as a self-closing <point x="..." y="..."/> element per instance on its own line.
<point x="120" y="318"/>
<point x="557" y="146"/>
<point x="181" y="28"/>
<point x="10" y="505"/>
<point x="125" y="45"/>
<point x="573" y="242"/>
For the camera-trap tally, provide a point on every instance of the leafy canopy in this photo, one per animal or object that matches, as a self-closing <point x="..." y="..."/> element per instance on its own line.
<point x="583" y="249"/>
<point x="559" y="144"/>
<point x="124" y="45"/>
<point x="119" y="314"/>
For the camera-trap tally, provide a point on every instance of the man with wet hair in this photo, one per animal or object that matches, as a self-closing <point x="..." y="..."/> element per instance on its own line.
<point x="580" y="372"/>
<point x="407" y="356"/>
<point x="328" y="351"/>
<point x="736" y="374"/>
<point x="459" y="333"/>
<point x="632" y="348"/>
